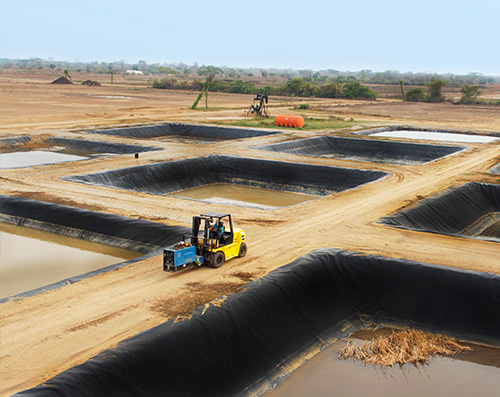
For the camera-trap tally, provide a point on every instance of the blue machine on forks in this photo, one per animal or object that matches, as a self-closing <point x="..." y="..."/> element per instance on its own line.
<point x="181" y="256"/>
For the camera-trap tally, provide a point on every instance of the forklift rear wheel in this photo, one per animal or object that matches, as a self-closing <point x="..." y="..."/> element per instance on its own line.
<point x="219" y="259"/>
<point x="243" y="250"/>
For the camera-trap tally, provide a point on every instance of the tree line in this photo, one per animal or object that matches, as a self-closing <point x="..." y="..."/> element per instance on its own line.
<point x="434" y="93"/>
<point x="295" y="87"/>
<point x="179" y="70"/>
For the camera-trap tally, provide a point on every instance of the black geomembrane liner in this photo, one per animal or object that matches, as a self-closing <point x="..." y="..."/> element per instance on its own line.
<point x="248" y="342"/>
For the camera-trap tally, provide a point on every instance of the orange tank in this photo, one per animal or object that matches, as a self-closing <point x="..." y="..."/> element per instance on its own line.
<point x="289" y="121"/>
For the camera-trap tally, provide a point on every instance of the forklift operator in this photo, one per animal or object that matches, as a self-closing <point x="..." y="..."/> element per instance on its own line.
<point x="217" y="230"/>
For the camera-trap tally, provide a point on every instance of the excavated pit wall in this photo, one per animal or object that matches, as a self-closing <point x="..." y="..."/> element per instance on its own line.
<point x="365" y="150"/>
<point x="118" y="231"/>
<point x="249" y="341"/>
<point x="471" y="210"/>
<point x="115" y="230"/>
<point x="99" y="147"/>
<point x="14" y="141"/>
<point x="78" y="145"/>
<point x="185" y="130"/>
<point x="168" y="177"/>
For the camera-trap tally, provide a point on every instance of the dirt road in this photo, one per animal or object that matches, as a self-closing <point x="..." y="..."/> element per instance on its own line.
<point x="48" y="333"/>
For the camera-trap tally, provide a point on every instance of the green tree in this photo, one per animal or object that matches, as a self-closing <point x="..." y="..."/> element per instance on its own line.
<point x="355" y="90"/>
<point x="435" y="89"/>
<point x="166" y="70"/>
<point x="328" y="90"/>
<point x="415" y="95"/>
<point x="470" y="93"/>
<point x="209" y="72"/>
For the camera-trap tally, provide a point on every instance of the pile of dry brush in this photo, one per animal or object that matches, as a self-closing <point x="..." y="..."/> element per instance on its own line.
<point x="402" y="347"/>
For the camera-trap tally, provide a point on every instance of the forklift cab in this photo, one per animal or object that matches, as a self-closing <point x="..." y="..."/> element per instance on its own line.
<point x="213" y="229"/>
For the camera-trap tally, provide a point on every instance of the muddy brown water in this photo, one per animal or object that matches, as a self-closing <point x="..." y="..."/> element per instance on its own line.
<point x="475" y="373"/>
<point x="34" y="158"/>
<point x="245" y="196"/>
<point x="31" y="259"/>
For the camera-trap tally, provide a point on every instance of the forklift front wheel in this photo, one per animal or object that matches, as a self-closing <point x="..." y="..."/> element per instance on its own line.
<point x="243" y="250"/>
<point x="219" y="259"/>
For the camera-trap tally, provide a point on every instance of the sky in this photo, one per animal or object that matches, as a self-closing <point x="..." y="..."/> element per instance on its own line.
<point x="434" y="36"/>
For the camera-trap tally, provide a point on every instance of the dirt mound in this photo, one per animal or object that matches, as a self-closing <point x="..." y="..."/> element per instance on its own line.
<point x="92" y="83"/>
<point x="62" y="80"/>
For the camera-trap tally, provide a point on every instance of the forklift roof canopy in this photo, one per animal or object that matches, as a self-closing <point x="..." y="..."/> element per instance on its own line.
<point x="214" y="214"/>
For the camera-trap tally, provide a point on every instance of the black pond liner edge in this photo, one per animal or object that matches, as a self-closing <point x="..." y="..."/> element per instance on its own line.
<point x="450" y="212"/>
<point x="137" y="235"/>
<point x="14" y="141"/>
<point x="366" y="150"/>
<point x="81" y="145"/>
<point x="249" y="341"/>
<point x="100" y="147"/>
<point x="184" y="130"/>
<point x="168" y="177"/>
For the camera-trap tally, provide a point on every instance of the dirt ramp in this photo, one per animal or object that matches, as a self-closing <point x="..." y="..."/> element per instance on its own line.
<point x="467" y="211"/>
<point x="249" y="341"/>
<point x="184" y="130"/>
<point x="364" y="150"/>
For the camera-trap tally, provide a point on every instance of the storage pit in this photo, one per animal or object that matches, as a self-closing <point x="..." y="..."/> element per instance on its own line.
<point x="471" y="210"/>
<point x="365" y="150"/>
<point x="170" y="178"/>
<point x="185" y="131"/>
<point x="20" y="152"/>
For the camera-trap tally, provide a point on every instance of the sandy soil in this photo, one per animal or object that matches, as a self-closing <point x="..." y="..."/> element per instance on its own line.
<point x="46" y="334"/>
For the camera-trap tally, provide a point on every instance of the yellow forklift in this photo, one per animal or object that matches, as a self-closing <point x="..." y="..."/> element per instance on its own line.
<point x="213" y="240"/>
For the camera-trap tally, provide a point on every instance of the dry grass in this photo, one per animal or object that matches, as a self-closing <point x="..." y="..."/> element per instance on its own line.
<point x="402" y="347"/>
<point x="196" y="295"/>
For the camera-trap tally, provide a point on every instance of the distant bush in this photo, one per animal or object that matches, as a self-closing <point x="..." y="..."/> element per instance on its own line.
<point x="435" y="89"/>
<point x="470" y="94"/>
<point x="304" y="106"/>
<point x="355" y="90"/>
<point x="415" y="95"/>
<point x="300" y="87"/>
<point x="350" y="90"/>
<point x="165" y="83"/>
<point x="329" y="90"/>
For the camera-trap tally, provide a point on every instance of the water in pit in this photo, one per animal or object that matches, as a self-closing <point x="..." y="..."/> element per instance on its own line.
<point x="34" y="158"/>
<point x="437" y="136"/>
<point x="244" y="196"/>
<point x="475" y="373"/>
<point x="31" y="259"/>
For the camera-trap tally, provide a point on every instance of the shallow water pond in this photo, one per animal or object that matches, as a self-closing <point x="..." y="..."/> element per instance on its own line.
<point x="475" y="373"/>
<point x="245" y="196"/>
<point x="437" y="136"/>
<point x="34" y="158"/>
<point x="31" y="259"/>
